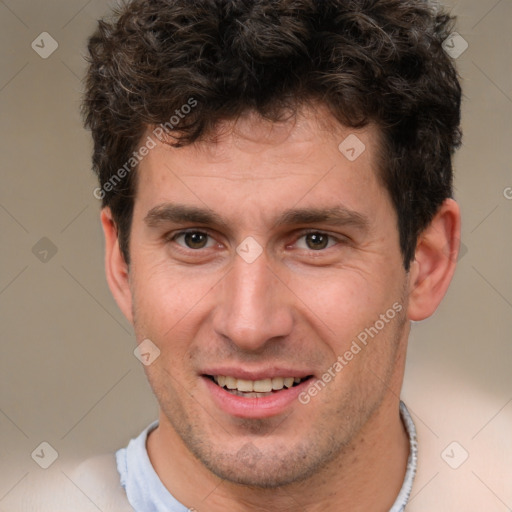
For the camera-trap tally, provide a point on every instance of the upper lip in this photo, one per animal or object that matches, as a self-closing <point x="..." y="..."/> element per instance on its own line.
<point x="255" y="374"/>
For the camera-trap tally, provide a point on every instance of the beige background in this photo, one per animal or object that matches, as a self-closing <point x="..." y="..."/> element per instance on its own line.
<point x="68" y="375"/>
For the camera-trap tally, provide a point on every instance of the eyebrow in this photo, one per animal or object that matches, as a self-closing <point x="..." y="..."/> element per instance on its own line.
<point x="180" y="213"/>
<point x="335" y="216"/>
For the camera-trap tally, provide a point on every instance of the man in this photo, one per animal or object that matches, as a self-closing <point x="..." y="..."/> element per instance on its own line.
<point x="276" y="182"/>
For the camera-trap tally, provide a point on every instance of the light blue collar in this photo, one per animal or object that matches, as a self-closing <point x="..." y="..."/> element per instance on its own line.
<point x="146" y="492"/>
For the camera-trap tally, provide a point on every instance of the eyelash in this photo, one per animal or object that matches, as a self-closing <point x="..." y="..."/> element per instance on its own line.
<point x="173" y="236"/>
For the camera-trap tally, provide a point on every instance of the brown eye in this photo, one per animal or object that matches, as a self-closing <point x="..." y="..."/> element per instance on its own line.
<point x="196" y="240"/>
<point x="193" y="240"/>
<point x="317" y="241"/>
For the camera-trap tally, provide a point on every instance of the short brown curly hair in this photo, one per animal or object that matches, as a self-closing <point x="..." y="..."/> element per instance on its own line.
<point x="379" y="61"/>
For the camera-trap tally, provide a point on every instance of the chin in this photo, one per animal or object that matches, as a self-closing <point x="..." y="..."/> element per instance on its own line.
<point x="267" y="468"/>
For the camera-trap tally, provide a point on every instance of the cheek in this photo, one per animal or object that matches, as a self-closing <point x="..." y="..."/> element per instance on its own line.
<point x="170" y="304"/>
<point x="346" y="301"/>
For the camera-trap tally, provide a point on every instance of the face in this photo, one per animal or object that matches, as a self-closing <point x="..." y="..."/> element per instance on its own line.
<point x="257" y="261"/>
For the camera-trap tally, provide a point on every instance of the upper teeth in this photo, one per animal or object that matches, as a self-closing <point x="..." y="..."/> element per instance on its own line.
<point x="258" y="386"/>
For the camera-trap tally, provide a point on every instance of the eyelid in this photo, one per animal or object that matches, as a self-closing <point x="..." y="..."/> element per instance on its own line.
<point x="171" y="237"/>
<point x="176" y="232"/>
<point x="336" y="236"/>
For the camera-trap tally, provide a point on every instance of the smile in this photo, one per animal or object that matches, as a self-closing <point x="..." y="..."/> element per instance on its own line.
<point x="254" y="398"/>
<point x="255" y="388"/>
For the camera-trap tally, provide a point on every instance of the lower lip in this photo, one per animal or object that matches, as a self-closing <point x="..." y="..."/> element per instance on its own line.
<point x="263" y="407"/>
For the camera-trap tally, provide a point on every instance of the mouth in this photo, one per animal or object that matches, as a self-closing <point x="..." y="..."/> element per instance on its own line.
<point x="256" y="388"/>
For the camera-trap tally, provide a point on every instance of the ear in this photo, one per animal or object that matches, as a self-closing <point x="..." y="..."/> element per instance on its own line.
<point x="434" y="263"/>
<point x="116" y="268"/>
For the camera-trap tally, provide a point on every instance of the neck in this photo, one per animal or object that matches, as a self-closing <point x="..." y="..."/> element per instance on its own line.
<point x="367" y="476"/>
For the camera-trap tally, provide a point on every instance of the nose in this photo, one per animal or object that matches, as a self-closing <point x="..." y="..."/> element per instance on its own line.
<point x="253" y="306"/>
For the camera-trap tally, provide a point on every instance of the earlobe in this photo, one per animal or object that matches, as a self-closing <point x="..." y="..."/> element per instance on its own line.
<point x="116" y="269"/>
<point x="435" y="260"/>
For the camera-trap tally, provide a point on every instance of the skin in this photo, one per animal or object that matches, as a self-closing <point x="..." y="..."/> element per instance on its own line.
<point x="296" y="306"/>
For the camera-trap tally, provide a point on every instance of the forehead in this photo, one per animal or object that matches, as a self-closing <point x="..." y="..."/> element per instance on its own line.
<point x="259" y="165"/>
